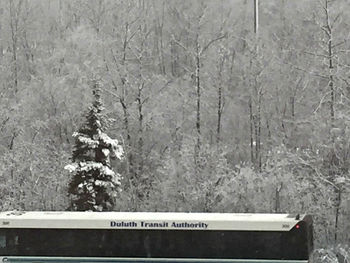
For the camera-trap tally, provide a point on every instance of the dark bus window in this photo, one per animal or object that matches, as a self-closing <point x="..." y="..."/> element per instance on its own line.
<point x="156" y="243"/>
<point x="2" y="243"/>
<point x="62" y="242"/>
<point x="8" y="242"/>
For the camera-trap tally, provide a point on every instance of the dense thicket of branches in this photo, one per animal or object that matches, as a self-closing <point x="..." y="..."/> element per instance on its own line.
<point x="211" y="119"/>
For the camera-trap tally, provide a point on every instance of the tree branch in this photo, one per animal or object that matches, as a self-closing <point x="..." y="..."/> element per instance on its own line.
<point x="304" y="70"/>
<point x="315" y="54"/>
<point x="321" y="102"/>
<point x="211" y="42"/>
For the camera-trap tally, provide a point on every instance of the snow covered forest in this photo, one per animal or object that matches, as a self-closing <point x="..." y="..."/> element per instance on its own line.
<point x="210" y="116"/>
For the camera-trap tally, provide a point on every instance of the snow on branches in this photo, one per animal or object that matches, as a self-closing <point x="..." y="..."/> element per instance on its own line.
<point x="113" y="144"/>
<point x="103" y="170"/>
<point x="101" y="139"/>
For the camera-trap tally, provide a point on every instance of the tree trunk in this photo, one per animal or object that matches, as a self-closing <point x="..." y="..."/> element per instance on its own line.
<point x="160" y="41"/>
<point x="140" y="120"/>
<point x="278" y="199"/>
<point x="258" y="138"/>
<point x="198" y="98"/>
<point x="14" y="20"/>
<point x="337" y="212"/>
<point x="220" y="98"/>
<point x="329" y="34"/>
<point x="251" y="122"/>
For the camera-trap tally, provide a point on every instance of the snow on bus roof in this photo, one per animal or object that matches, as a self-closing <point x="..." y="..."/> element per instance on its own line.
<point x="148" y="220"/>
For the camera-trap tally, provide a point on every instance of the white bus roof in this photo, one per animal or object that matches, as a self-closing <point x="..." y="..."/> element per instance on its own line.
<point x="149" y="221"/>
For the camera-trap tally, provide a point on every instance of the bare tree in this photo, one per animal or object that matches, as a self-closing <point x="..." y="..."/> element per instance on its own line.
<point x="16" y="10"/>
<point x="159" y="38"/>
<point x="220" y="97"/>
<point x="119" y="70"/>
<point x="197" y="52"/>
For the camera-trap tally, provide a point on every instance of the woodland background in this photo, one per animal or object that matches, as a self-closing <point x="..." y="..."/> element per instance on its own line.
<point x="211" y="117"/>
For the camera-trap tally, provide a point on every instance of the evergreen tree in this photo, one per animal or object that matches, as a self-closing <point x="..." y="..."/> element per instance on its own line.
<point x="94" y="185"/>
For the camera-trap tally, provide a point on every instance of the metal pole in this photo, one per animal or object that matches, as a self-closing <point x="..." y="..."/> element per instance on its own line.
<point x="256" y="16"/>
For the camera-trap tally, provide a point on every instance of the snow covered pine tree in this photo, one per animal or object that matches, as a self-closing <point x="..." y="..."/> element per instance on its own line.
<point x="94" y="185"/>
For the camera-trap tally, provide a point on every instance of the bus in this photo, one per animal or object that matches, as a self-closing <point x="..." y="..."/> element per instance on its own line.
<point x="154" y="237"/>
